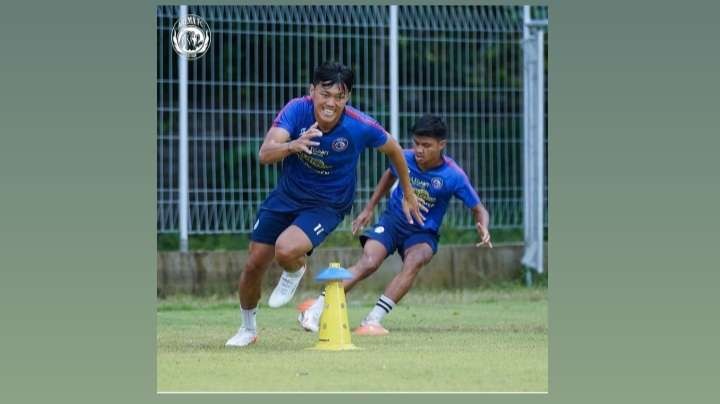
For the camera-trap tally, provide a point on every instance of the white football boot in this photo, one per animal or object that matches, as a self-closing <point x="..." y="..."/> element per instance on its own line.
<point x="244" y="337"/>
<point x="285" y="288"/>
<point x="310" y="319"/>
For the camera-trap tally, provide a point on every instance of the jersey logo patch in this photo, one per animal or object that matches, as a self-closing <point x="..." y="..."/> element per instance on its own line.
<point x="340" y="144"/>
<point x="437" y="182"/>
<point x="379" y="229"/>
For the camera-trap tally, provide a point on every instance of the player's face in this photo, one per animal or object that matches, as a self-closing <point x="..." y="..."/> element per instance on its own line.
<point x="329" y="102"/>
<point x="428" y="150"/>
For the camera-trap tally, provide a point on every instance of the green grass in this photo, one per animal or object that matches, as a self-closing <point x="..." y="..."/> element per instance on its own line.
<point x="480" y="340"/>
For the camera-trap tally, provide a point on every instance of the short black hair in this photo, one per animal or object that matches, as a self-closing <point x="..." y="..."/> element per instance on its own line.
<point x="332" y="73"/>
<point x="431" y="126"/>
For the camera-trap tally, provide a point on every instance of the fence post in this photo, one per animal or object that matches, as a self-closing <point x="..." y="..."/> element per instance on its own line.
<point x="183" y="145"/>
<point x="540" y="152"/>
<point x="533" y="144"/>
<point x="394" y="74"/>
<point x="527" y="211"/>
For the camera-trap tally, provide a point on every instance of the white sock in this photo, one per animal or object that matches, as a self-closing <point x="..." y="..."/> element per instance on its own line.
<point x="297" y="274"/>
<point x="383" y="307"/>
<point x="248" y="318"/>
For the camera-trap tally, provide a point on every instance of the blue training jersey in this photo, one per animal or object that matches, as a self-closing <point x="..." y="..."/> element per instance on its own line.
<point x="326" y="178"/>
<point x="435" y="187"/>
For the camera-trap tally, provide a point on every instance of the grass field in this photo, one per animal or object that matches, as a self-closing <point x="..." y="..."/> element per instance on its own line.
<point x="480" y="340"/>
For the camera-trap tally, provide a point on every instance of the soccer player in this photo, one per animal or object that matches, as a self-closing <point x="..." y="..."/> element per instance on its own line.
<point x="435" y="179"/>
<point x="319" y="139"/>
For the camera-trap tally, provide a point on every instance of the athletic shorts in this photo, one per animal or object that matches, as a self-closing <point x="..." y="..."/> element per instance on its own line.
<point x="316" y="223"/>
<point x="397" y="236"/>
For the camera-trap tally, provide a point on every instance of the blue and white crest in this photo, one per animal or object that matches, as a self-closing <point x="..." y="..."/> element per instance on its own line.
<point x="437" y="182"/>
<point x="340" y="144"/>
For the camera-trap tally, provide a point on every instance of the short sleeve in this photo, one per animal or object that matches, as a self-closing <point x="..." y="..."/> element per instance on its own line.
<point x="465" y="191"/>
<point x="376" y="136"/>
<point x="287" y="118"/>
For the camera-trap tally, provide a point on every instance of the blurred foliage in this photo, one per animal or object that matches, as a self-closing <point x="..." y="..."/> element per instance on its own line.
<point x="220" y="242"/>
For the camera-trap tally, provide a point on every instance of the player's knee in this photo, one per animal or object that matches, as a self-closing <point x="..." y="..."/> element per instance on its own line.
<point x="286" y="253"/>
<point x="369" y="264"/>
<point x="413" y="264"/>
<point x="252" y="267"/>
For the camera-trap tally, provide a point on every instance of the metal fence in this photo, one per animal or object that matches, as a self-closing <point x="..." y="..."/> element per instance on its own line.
<point x="464" y="63"/>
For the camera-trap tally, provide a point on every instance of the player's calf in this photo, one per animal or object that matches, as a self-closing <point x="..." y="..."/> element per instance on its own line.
<point x="366" y="266"/>
<point x="259" y="259"/>
<point x="250" y="283"/>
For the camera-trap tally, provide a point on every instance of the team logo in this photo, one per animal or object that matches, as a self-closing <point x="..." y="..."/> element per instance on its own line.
<point x="191" y="37"/>
<point x="340" y="144"/>
<point x="379" y="229"/>
<point x="437" y="182"/>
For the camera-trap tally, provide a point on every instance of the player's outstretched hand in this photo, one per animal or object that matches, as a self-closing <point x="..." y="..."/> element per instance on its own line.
<point x="411" y="208"/>
<point x="361" y="221"/>
<point x="484" y="236"/>
<point x="305" y="141"/>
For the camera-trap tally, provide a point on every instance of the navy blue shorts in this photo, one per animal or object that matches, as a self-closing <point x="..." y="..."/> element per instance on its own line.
<point x="398" y="236"/>
<point x="316" y="223"/>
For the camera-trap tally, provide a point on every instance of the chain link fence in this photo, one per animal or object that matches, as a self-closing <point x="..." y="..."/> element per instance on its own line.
<point x="463" y="63"/>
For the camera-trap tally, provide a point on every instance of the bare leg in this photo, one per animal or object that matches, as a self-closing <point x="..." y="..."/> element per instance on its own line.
<point x="259" y="258"/>
<point x="374" y="254"/>
<point x="291" y="247"/>
<point x="415" y="258"/>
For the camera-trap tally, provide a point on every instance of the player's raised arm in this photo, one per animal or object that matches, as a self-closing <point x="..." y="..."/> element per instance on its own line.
<point x="482" y="223"/>
<point x="411" y="206"/>
<point x="277" y="144"/>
